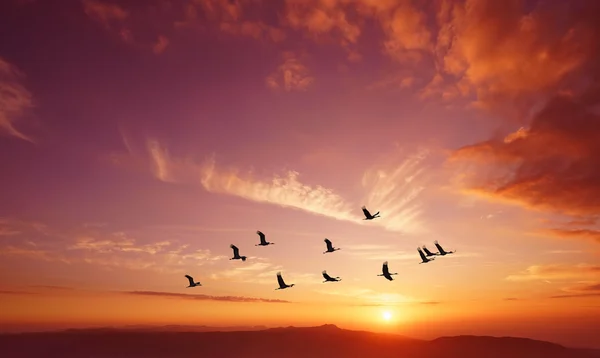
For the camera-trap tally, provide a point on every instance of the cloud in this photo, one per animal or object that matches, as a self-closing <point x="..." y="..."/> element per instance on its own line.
<point x="498" y="52"/>
<point x="552" y="166"/>
<point x="379" y="252"/>
<point x="103" y="248"/>
<point x="54" y="288"/>
<point x="105" y="13"/>
<point x="16" y="293"/>
<point x="586" y="234"/>
<point x="161" y="44"/>
<point x="391" y="188"/>
<point x="394" y="190"/>
<point x="590" y="289"/>
<point x="231" y="17"/>
<point x="291" y="75"/>
<point x="370" y="297"/>
<point x="201" y="297"/>
<point x="264" y="272"/>
<point x="557" y="272"/>
<point x="15" y="100"/>
<point x="322" y="21"/>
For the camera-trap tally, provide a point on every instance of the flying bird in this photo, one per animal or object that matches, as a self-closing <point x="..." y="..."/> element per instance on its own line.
<point x="236" y="253"/>
<point x="329" y="278"/>
<point x="423" y="257"/>
<point x="263" y="240"/>
<point x="330" y="247"/>
<point x="282" y="283"/>
<point x="368" y="215"/>
<point x="429" y="253"/>
<point x="192" y="283"/>
<point x="441" y="249"/>
<point x="386" y="272"/>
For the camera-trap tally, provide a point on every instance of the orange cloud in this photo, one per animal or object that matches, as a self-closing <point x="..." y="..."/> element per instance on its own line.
<point x="322" y="18"/>
<point x="201" y="297"/>
<point x="500" y="52"/>
<point x="104" y="249"/>
<point x="557" y="272"/>
<point x="291" y="75"/>
<point x="553" y="165"/>
<point x="231" y="17"/>
<point x="15" y="100"/>
<point x="575" y="233"/>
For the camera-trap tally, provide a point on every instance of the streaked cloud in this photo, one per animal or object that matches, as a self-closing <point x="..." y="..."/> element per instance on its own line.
<point x="557" y="272"/>
<point x="394" y="189"/>
<point x="107" y="249"/>
<point x="291" y="75"/>
<point x="15" y="100"/>
<point x="586" y="234"/>
<point x="369" y="296"/>
<point x="201" y="297"/>
<point x="16" y="293"/>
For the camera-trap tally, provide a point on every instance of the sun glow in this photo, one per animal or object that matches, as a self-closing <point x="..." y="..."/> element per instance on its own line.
<point x="386" y="315"/>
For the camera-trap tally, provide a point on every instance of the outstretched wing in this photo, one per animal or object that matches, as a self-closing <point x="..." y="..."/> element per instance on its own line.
<point x="385" y="269"/>
<point x="190" y="278"/>
<point x="329" y="245"/>
<point x="421" y="254"/>
<point x="427" y="250"/>
<point x="280" y="280"/>
<point x="326" y="276"/>
<point x="262" y="237"/>
<point x="440" y="248"/>
<point x="366" y="212"/>
<point x="236" y="251"/>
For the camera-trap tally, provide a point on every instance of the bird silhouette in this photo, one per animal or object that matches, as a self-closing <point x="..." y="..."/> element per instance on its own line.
<point x="423" y="257"/>
<point x="330" y="247"/>
<point x="192" y="283"/>
<point x="386" y="272"/>
<point x="282" y="284"/>
<point x="429" y="253"/>
<point x="236" y="253"/>
<point x="441" y="249"/>
<point x="329" y="278"/>
<point x="368" y="215"/>
<point x="263" y="240"/>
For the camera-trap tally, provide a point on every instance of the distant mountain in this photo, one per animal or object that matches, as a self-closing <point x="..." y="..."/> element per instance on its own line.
<point x="326" y="341"/>
<point x="168" y="328"/>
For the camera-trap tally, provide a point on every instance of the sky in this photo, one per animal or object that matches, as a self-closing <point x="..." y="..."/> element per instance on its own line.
<point x="138" y="140"/>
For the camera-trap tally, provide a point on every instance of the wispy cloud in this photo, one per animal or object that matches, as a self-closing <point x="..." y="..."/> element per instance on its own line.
<point x="370" y="297"/>
<point x="15" y="100"/>
<point x="107" y="249"/>
<point x="16" y="293"/>
<point x="264" y="272"/>
<point x="391" y="188"/>
<point x="379" y="252"/>
<point x="586" y="234"/>
<point x="200" y="297"/>
<point x="394" y="189"/>
<point x="557" y="272"/>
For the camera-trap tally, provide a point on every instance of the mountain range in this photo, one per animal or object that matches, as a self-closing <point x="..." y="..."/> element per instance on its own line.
<point x="327" y="341"/>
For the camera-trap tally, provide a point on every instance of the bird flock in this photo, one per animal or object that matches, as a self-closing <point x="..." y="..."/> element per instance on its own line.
<point x="424" y="253"/>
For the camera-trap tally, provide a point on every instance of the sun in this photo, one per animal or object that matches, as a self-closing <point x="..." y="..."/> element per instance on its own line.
<point x="386" y="315"/>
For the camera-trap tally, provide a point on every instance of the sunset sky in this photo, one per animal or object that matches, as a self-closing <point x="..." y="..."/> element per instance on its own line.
<point x="139" y="139"/>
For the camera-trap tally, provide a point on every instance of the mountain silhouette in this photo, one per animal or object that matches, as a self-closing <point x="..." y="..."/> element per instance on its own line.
<point x="327" y="341"/>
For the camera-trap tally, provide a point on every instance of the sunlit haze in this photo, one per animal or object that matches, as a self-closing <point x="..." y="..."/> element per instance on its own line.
<point x="139" y="139"/>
